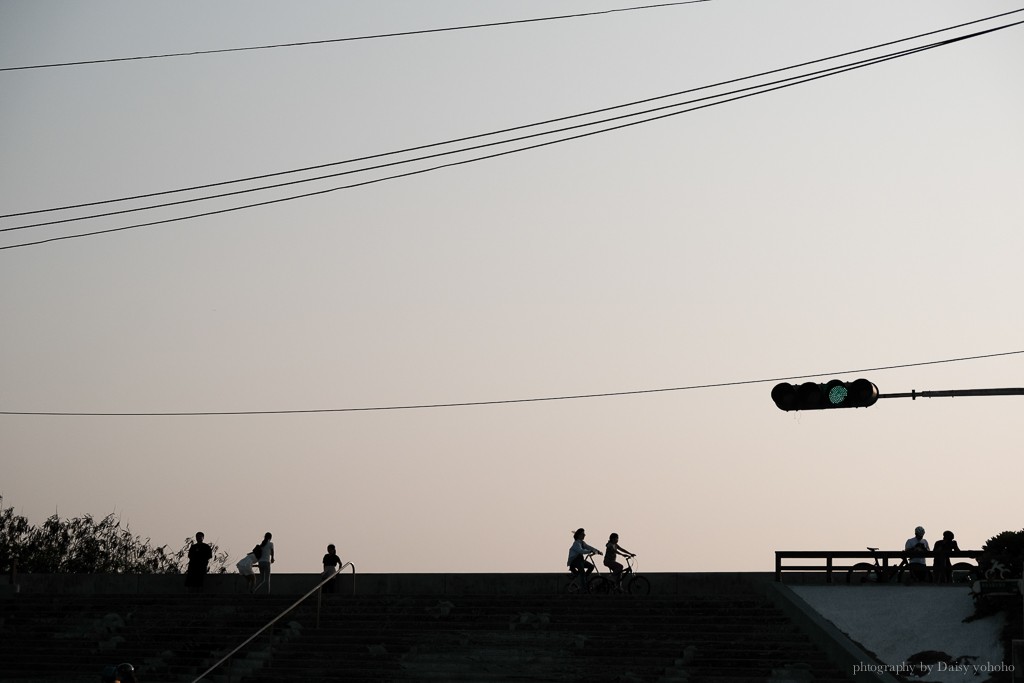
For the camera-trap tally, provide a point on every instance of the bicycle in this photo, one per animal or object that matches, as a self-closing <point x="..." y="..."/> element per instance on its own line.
<point x="630" y="582"/>
<point x="596" y="583"/>
<point x="865" y="572"/>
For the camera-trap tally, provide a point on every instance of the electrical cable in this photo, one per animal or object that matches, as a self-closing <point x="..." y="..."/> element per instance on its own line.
<point x="470" y="137"/>
<point x="506" y="141"/>
<point x="762" y="90"/>
<point x="464" y="404"/>
<point x="365" y="182"/>
<point x="350" y="39"/>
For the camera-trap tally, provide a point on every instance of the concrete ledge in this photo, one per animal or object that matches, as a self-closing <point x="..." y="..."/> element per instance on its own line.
<point x="844" y="652"/>
<point x="662" y="583"/>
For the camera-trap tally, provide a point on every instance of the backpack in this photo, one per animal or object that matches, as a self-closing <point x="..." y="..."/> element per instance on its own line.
<point x="257" y="550"/>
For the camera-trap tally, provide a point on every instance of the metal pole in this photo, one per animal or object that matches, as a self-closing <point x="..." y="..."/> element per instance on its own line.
<point x="953" y="393"/>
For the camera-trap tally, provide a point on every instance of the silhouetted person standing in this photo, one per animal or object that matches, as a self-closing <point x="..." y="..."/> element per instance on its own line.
<point x="199" y="556"/>
<point x="916" y="548"/>
<point x="942" y="567"/>
<point x="266" y="558"/>
<point x="332" y="565"/>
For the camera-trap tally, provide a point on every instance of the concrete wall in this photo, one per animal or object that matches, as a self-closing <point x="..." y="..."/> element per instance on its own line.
<point x="370" y="584"/>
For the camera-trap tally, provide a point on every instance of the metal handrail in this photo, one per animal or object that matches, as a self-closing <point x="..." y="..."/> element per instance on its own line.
<point x="280" y="616"/>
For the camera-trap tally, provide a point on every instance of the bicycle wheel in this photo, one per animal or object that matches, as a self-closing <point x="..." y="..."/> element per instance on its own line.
<point x="600" y="585"/>
<point x="573" y="586"/>
<point x="961" y="572"/>
<point x="862" y="572"/>
<point x="639" y="585"/>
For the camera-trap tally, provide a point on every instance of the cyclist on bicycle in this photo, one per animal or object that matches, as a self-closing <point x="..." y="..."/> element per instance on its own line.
<point x="578" y="564"/>
<point x="616" y="568"/>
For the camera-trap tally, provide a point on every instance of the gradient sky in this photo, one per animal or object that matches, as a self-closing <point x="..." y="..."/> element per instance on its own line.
<point x="863" y="221"/>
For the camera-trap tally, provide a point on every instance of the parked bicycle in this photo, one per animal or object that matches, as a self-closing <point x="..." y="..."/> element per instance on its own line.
<point x="865" y="572"/>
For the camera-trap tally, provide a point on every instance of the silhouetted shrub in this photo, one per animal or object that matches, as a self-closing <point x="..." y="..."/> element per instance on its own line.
<point x="85" y="545"/>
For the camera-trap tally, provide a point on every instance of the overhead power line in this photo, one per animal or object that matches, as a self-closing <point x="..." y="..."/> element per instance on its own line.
<point x="760" y="88"/>
<point x="465" y="404"/>
<point x="467" y="138"/>
<point x="307" y="43"/>
<point x="747" y="92"/>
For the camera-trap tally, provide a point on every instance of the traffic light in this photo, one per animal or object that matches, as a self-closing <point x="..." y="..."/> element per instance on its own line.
<point x="859" y="393"/>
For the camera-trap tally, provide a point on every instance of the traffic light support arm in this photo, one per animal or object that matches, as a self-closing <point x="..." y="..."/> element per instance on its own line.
<point x="953" y="393"/>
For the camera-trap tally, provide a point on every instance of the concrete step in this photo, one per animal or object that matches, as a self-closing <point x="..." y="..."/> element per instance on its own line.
<point x="404" y="638"/>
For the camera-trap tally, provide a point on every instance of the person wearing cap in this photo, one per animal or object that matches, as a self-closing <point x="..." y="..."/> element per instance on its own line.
<point x="578" y="563"/>
<point x="916" y="547"/>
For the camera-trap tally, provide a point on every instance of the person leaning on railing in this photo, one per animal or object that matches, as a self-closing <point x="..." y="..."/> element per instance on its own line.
<point x="942" y="567"/>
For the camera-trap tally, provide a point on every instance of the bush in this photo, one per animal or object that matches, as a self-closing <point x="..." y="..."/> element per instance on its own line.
<point x="1006" y="549"/>
<point x="84" y="545"/>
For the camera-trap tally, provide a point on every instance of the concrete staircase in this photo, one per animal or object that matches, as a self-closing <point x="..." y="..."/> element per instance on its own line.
<point x="723" y="637"/>
<point x="70" y="638"/>
<point x="550" y="638"/>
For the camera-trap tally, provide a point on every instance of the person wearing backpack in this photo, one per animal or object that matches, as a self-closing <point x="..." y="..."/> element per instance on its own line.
<point x="264" y="553"/>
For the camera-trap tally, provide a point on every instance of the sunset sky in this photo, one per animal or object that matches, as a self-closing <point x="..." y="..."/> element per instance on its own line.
<point x="867" y="224"/>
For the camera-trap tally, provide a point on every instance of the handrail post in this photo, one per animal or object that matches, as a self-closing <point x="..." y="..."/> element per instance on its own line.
<point x="270" y="641"/>
<point x="828" y="569"/>
<point x="778" y="567"/>
<point x="319" y="600"/>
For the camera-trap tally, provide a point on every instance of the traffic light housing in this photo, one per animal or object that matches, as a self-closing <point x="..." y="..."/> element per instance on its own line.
<point x="859" y="393"/>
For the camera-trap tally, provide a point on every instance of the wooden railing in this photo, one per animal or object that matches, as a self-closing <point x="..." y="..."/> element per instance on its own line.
<point x="827" y="559"/>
